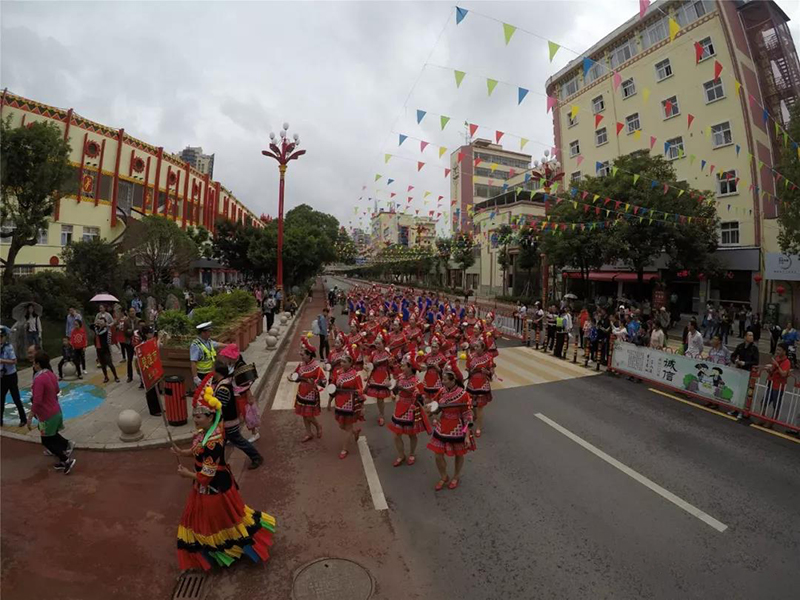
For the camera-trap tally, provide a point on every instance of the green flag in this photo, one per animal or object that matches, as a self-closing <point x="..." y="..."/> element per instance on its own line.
<point x="553" y="47"/>
<point x="444" y="120"/>
<point x="459" y="77"/>
<point x="635" y="178"/>
<point x="490" y="85"/>
<point x="508" y="32"/>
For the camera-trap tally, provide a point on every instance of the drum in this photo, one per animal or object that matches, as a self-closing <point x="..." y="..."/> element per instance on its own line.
<point x="326" y="366"/>
<point x="368" y="366"/>
<point x="244" y="375"/>
<point x="427" y="349"/>
<point x="331" y="389"/>
<point x="392" y="383"/>
<point x="293" y="377"/>
<point x="433" y="407"/>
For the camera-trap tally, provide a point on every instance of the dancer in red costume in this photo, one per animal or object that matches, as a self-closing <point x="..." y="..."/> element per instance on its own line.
<point x="395" y="344"/>
<point x="216" y="527"/>
<point x="333" y="365"/>
<point x="349" y="399"/>
<point x="407" y="419"/>
<point x="490" y="335"/>
<point x="379" y="378"/>
<point x="310" y="378"/>
<point x="451" y="428"/>
<point x="480" y="367"/>
<point x="433" y="363"/>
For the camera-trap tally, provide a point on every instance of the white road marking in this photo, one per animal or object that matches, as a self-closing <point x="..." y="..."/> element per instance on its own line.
<point x="692" y="510"/>
<point x="375" y="488"/>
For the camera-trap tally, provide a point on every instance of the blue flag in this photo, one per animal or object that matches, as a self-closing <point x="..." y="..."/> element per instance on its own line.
<point x="460" y="14"/>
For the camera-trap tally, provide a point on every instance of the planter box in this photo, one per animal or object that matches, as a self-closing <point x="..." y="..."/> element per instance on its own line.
<point x="259" y="325"/>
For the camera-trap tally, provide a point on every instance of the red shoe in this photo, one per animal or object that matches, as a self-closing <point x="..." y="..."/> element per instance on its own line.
<point x="477" y="435"/>
<point x="453" y="484"/>
<point x="438" y="487"/>
<point x="343" y="454"/>
<point x="381" y="421"/>
<point x="411" y="460"/>
<point x="398" y="461"/>
<point x="308" y="438"/>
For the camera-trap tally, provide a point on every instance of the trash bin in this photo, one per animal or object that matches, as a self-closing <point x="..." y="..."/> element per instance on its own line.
<point x="175" y="400"/>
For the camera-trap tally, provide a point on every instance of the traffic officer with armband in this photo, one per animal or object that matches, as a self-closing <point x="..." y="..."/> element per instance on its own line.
<point x="203" y="353"/>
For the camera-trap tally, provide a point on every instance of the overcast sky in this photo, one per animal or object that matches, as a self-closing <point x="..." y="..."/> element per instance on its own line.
<point x="222" y="75"/>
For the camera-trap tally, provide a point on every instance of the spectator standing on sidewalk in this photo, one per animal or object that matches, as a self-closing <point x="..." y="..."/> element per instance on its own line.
<point x="725" y="320"/>
<point x="128" y="326"/>
<point x="719" y="353"/>
<point x="663" y="318"/>
<point x="33" y="326"/>
<point x="103" y="324"/>
<point x="658" y="338"/>
<point x="550" y="321"/>
<point x="78" y="340"/>
<point x="136" y="305"/>
<point x="778" y="371"/>
<point x="72" y="316"/>
<point x="68" y="355"/>
<point x="742" y="316"/>
<point x="45" y="409"/>
<point x="755" y="327"/>
<point x="268" y="308"/>
<point x="746" y="356"/>
<point x="694" y="341"/>
<point x="9" y="380"/>
<point x="583" y="318"/>
<point x="322" y="332"/>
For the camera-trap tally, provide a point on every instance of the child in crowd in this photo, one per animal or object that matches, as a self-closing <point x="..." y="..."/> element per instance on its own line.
<point x="67" y="357"/>
<point x="78" y="340"/>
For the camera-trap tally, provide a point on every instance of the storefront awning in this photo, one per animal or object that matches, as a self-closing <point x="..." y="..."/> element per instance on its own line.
<point x="626" y="276"/>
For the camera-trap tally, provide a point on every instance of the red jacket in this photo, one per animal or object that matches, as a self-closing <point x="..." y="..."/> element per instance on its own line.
<point x="77" y="339"/>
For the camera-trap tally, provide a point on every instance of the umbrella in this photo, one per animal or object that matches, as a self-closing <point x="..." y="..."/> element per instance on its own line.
<point x="104" y="298"/>
<point x="18" y="313"/>
<point x="570" y="297"/>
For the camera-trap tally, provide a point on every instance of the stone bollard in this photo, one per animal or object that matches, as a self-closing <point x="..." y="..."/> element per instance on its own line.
<point x="284" y="319"/>
<point x="130" y="423"/>
<point x="69" y="369"/>
<point x="275" y="332"/>
<point x="272" y="342"/>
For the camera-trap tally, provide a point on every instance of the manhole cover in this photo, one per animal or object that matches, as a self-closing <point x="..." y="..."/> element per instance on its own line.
<point x="190" y="587"/>
<point x="332" y="579"/>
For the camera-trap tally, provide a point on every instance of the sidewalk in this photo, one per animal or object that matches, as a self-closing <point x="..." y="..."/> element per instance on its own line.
<point x="91" y="408"/>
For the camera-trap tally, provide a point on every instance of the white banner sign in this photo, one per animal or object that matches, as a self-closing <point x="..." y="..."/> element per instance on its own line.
<point x="782" y="267"/>
<point x="698" y="376"/>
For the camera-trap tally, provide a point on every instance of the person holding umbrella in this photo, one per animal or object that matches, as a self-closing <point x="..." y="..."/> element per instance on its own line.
<point x="102" y="329"/>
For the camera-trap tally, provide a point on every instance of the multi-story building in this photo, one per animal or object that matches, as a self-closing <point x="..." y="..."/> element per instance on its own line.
<point x="120" y="179"/>
<point x="195" y="157"/>
<point x="392" y="228"/>
<point x="699" y="100"/>
<point x="478" y="171"/>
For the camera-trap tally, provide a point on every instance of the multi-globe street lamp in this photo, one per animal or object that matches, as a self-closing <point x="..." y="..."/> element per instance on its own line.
<point x="283" y="154"/>
<point x="549" y="171"/>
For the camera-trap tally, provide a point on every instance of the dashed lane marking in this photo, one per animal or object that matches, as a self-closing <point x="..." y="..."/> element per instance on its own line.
<point x="374" y="482"/>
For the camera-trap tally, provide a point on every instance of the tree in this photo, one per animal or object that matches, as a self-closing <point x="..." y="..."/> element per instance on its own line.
<point x="93" y="266"/>
<point x="646" y="222"/>
<point x="34" y="175"/>
<point x="345" y="248"/>
<point x="463" y="252"/>
<point x="231" y="246"/>
<point x="504" y="233"/>
<point x="529" y="258"/>
<point x="203" y="240"/>
<point x="444" y="250"/>
<point x="164" y="250"/>
<point x="789" y="210"/>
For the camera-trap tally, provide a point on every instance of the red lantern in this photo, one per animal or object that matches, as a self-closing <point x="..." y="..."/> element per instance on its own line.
<point x="781" y="290"/>
<point x="757" y="278"/>
<point x="701" y="276"/>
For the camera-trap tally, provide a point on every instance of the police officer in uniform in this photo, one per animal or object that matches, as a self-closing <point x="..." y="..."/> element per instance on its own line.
<point x="203" y="353"/>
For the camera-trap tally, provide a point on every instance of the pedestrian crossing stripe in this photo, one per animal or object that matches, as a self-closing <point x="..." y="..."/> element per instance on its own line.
<point x="516" y="367"/>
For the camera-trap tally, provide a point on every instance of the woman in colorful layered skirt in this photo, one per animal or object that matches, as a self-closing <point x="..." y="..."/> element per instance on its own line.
<point x="378" y="382"/>
<point x="451" y="429"/>
<point x="480" y="367"/>
<point x="334" y="364"/>
<point x="217" y="527"/>
<point x="407" y="417"/>
<point x="490" y="335"/>
<point x="395" y="344"/>
<point x="310" y="377"/>
<point x="433" y="363"/>
<point x="349" y="399"/>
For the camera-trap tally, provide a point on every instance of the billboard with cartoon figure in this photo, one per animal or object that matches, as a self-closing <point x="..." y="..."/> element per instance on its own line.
<point x="697" y="376"/>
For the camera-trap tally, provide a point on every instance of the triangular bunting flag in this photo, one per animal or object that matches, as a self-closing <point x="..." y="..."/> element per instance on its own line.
<point x="460" y="156"/>
<point x="553" y="48"/>
<point x="472" y="129"/>
<point x="420" y="165"/>
<point x="689" y="119"/>
<point x="617" y="79"/>
<point x="403" y="138"/>
<point x="386" y="157"/>
<point x="580" y="159"/>
<point x="422" y="146"/>
<point x="653" y="143"/>
<point x="717" y="69"/>
<point x="442" y="150"/>
<point x="444" y="120"/>
<point x="674" y="28"/>
<point x="620" y="127"/>
<point x="588" y="63"/>
<point x="508" y="32"/>
<point x="378" y="176"/>
<point x="646" y="94"/>
<point x="521" y="93"/>
<point x="698" y="52"/>
<point x="459" y="77"/>
<point x="551" y="102"/>
<point x="522" y="142"/>
<point x="635" y="178"/>
<point x="411" y="187"/>
<point x="643" y="4"/>
<point x="637" y="134"/>
<point x="420" y="115"/>
<point x="498" y="135"/>
<point x="614" y="171"/>
<point x="597" y="118"/>
<point x="738" y="87"/>
<point x="460" y="14"/>
<point x="446" y="172"/>
<point x="490" y="85"/>
<point x="574" y="111"/>
<point x="389" y="181"/>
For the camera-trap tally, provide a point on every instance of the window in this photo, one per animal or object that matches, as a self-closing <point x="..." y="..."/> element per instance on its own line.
<point x="670" y="107"/>
<point x="708" y="48"/>
<point x="594" y="73"/>
<point x="90" y="233"/>
<point x="721" y="134"/>
<point x="623" y="53"/>
<point x="713" y="90"/>
<point x="628" y="88"/>
<point x="600" y="137"/>
<point x="576" y="176"/>
<point x="574" y="148"/>
<point x="66" y="234"/>
<point x="598" y="105"/>
<point x="655" y="33"/>
<point x="727" y="183"/>
<point x="41" y="236"/>
<point x="7" y="228"/>
<point x="569" y="87"/>
<point x="572" y="120"/>
<point x="632" y="121"/>
<point x="674" y="148"/>
<point x="604" y="169"/>
<point x="663" y="70"/>
<point x="729" y="233"/>
<point x="690" y="12"/>
<point x="23" y="270"/>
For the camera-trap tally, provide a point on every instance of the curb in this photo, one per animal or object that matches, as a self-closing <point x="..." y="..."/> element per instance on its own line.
<point x="164" y="442"/>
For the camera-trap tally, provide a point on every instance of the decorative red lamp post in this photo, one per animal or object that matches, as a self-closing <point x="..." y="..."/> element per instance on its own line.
<point x="283" y="154"/>
<point x="549" y="170"/>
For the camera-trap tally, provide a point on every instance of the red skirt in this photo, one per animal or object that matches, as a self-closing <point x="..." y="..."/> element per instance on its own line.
<point x="481" y="398"/>
<point x="375" y="391"/>
<point x="438" y="446"/>
<point x="348" y="419"/>
<point x="403" y="421"/>
<point x="220" y="529"/>
<point x="306" y="410"/>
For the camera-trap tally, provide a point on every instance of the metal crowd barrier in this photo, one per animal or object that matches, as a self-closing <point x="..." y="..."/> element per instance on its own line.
<point x="775" y="405"/>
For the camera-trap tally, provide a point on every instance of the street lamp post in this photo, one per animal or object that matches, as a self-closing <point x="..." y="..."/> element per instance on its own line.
<point x="549" y="169"/>
<point x="283" y="154"/>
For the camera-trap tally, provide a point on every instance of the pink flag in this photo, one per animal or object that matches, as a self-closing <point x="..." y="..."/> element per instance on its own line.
<point x="551" y="102"/>
<point x="422" y="146"/>
<point x="689" y="119"/>
<point x="643" y="4"/>
<point x="617" y="79"/>
<point x="652" y="142"/>
<point x="420" y="165"/>
<point x="460" y="156"/>
<point x="580" y="159"/>
<point x="411" y="187"/>
<point x="446" y="172"/>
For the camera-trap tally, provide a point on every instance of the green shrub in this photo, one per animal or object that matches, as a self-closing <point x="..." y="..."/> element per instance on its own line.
<point x="201" y="314"/>
<point x="52" y="289"/>
<point x="240" y="302"/>
<point x="175" y="322"/>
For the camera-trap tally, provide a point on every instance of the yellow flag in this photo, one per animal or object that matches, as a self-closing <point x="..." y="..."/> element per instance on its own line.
<point x="637" y="134"/>
<point x="522" y="142"/>
<point x="442" y="150"/>
<point x="674" y="28"/>
<point x="738" y="87"/>
<point x="574" y="110"/>
<point x="493" y="167"/>
<point x="646" y="94"/>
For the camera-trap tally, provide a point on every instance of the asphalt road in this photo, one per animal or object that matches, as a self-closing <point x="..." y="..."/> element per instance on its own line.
<point x="537" y="515"/>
